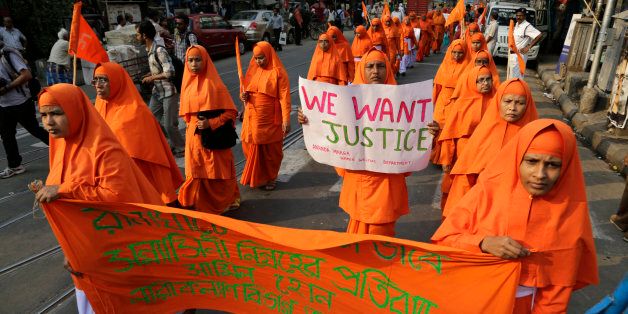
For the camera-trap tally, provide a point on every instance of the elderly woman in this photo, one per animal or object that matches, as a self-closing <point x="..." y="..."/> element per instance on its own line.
<point x="59" y="61"/>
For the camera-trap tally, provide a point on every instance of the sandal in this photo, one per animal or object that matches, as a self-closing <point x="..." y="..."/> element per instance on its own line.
<point x="271" y="185"/>
<point x="235" y="205"/>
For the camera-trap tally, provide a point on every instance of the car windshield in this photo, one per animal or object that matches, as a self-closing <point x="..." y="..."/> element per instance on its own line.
<point x="504" y="15"/>
<point x="244" y="16"/>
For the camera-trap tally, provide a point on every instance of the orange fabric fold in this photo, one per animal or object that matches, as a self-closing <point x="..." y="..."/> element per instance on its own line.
<point x="344" y="50"/>
<point x="378" y="37"/>
<point x="324" y="65"/>
<point x="487" y="140"/>
<point x="446" y="79"/>
<point x="90" y="164"/>
<point x="555" y="226"/>
<point x="362" y="44"/>
<point x="134" y="125"/>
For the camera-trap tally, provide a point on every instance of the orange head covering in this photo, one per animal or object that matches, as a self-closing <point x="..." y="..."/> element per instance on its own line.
<point x="547" y="142"/>
<point x="132" y="122"/>
<point x="203" y="91"/>
<point x="371" y="55"/>
<point x="396" y="21"/>
<point x="378" y="37"/>
<point x="484" y="54"/>
<point x="480" y="37"/>
<point x="468" y="107"/>
<point x="361" y="44"/>
<point x="555" y="225"/>
<point x="266" y="77"/>
<point x="474" y="27"/>
<point x="341" y="43"/>
<point x="325" y="63"/>
<point x="90" y="163"/>
<point x="376" y="22"/>
<point x="493" y="132"/>
<point x="450" y="69"/>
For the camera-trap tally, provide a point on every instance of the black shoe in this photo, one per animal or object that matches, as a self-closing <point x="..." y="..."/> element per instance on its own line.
<point x="403" y="74"/>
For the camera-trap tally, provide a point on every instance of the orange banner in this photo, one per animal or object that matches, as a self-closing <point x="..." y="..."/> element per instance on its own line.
<point x="148" y="259"/>
<point x="513" y="47"/>
<point x="239" y="63"/>
<point x="457" y="14"/>
<point x="83" y="41"/>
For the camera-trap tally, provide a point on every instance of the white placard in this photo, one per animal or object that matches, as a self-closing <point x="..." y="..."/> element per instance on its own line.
<point x="417" y="33"/>
<point x="380" y="128"/>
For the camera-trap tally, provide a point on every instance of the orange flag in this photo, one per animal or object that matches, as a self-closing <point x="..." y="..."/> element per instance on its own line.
<point x="386" y="11"/>
<point x="513" y="47"/>
<point x="482" y="19"/>
<point x="84" y="43"/>
<point x="457" y="14"/>
<point x="365" y="12"/>
<point x="239" y="62"/>
<point x="154" y="259"/>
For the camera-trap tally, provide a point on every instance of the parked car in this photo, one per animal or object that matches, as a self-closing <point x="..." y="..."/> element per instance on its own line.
<point x="256" y="25"/>
<point x="216" y="34"/>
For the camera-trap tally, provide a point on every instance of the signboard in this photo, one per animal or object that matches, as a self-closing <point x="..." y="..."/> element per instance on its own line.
<point x="564" y="54"/>
<point x="113" y="10"/>
<point x="375" y="127"/>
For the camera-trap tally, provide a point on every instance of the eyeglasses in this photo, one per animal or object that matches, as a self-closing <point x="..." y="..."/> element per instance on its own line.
<point x="100" y="80"/>
<point x="482" y="61"/>
<point x="484" y="81"/>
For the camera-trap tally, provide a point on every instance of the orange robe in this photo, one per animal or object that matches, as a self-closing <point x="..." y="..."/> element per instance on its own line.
<point x="439" y="31"/>
<point x="90" y="164"/>
<point x="392" y="43"/>
<point x="324" y="65"/>
<point x="555" y="226"/>
<point x="267" y="108"/>
<point x="360" y="45"/>
<point x="374" y="201"/>
<point x="491" y="65"/>
<point x="424" y="41"/>
<point x="430" y="21"/>
<point x="467" y="109"/>
<point x="210" y="179"/>
<point x="344" y="51"/>
<point x="489" y="137"/>
<point x="134" y="125"/>
<point x="378" y="37"/>
<point x="398" y="37"/>
<point x="409" y="40"/>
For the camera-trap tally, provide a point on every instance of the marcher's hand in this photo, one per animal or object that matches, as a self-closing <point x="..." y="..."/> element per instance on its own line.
<point x="447" y="168"/>
<point x="47" y="194"/>
<point x="524" y="50"/>
<point x="240" y="116"/>
<point x="286" y="128"/>
<point x="301" y="117"/>
<point x="3" y="90"/>
<point x="202" y="123"/>
<point x="504" y="247"/>
<point x="148" y="79"/>
<point x="66" y="265"/>
<point x="244" y="96"/>
<point x="433" y="128"/>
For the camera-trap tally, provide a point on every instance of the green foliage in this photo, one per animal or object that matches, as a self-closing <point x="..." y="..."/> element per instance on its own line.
<point x="40" y="20"/>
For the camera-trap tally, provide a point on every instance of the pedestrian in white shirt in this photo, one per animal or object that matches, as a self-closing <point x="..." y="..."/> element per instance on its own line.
<point x="397" y="13"/>
<point x="526" y="36"/>
<point x="276" y="22"/>
<point x="11" y="36"/>
<point x="491" y="33"/>
<point x="59" y="61"/>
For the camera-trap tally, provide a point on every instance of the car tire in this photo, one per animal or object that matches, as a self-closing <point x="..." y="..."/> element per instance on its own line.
<point x="290" y="39"/>
<point x="266" y="37"/>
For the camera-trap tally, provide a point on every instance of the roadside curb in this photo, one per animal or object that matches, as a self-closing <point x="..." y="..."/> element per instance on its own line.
<point x="591" y="127"/>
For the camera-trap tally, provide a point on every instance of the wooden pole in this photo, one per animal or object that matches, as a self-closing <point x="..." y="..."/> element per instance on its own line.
<point x="74" y="71"/>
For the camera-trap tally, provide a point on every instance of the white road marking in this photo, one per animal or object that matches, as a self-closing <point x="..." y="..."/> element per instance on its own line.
<point x="293" y="161"/>
<point x="597" y="231"/>
<point x="337" y="186"/>
<point x="437" y="193"/>
<point x="39" y="145"/>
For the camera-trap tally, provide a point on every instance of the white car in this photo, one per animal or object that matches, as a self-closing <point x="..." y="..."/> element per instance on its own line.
<point x="506" y="12"/>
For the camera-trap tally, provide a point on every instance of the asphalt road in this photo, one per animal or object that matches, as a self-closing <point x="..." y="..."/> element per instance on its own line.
<point x="32" y="278"/>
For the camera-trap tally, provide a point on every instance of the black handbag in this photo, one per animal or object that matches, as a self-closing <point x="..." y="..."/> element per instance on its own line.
<point x="223" y="137"/>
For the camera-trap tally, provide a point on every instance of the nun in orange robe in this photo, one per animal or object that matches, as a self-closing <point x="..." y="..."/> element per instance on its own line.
<point x="398" y="32"/>
<point x="477" y="43"/>
<point x="373" y="200"/>
<point x="484" y="58"/>
<point x="266" y="117"/>
<point x="430" y="20"/>
<point x="392" y="42"/>
<point x="549" y="232"/>
<point x="324" y="65"/>
<point x="408" y="45"/>
<point x="467" y="108"/>
<point x="344" y="50"/>
<point x="472" y="29"/>
<point x="361" y="44"/>
<point x="439" y="31"/>
<point x="134" y="125"/>
<point x="425" y="39"/>
<point x="377" y="35"/>
<point x="88" y="164"/>
<point x="210" y="179"/>
<point x="493" y="133"/>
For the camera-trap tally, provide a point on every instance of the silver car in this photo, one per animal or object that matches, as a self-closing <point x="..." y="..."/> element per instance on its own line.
<point x="256" y="25"/>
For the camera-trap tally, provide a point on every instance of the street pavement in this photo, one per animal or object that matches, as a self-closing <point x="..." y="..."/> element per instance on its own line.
<point x="32" y="278"/>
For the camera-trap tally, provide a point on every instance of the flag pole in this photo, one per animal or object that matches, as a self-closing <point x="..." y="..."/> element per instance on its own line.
<point x="74" y="71"/>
